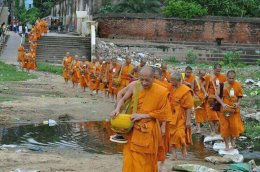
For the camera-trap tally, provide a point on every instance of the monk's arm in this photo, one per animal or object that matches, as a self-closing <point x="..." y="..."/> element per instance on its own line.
<point x="121" y="93"/>
<point x="117" y="72"/>
<point x="187" y="103"/>
<point x="188" y="118"/>
<point x="132" y="73"/>
<point x="120" y="103"/>
<point x="218" y="98"/>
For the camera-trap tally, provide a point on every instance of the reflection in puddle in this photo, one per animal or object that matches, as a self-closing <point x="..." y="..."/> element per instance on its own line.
<point x="92" y="137"/>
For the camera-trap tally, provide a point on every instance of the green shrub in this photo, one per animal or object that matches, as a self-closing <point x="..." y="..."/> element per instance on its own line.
<point x="258" y="62"/>
<point x="232" y="58"/>
<point x="191" y="57"/>
<point x="171" y="59"/>
<point x="183" y="9"/>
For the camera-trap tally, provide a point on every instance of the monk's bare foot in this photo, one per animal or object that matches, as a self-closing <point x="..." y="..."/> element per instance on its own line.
<point x="198" y="131"/>
<point x="227" y="148"/>
<point x="184" y="153"/>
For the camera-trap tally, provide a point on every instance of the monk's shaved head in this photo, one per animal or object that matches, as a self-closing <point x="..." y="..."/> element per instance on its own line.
<point x="147" y="77"/>
<point x="176" y="76"/>
<point x="147" y="70"/>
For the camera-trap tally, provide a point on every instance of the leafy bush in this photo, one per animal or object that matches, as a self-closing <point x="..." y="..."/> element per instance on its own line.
<point x="232" y="58"/>
<point x="258" y="62"/>
<point x="191" y="57"/>
<point x="171" y="59"/>
<point x="183" y="9"/>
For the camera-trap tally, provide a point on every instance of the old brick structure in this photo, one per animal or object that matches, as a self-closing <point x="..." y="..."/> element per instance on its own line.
<point x="208" y="29"/>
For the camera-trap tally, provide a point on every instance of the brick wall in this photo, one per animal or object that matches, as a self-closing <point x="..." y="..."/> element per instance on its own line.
<point x="232" y="30"/>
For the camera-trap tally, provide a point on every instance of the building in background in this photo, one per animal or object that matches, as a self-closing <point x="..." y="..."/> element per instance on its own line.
<point x="28" y="4"/>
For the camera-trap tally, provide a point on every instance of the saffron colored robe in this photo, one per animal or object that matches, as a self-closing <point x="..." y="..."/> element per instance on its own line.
<point x="75" y="72"/>
<point x="181" y="99"/>
<point x="20" y="53"/>
<point x="125" y="76"/>
<point x="113" y="90"/>
<point x="67" y="67"/>
<point x="141" y="151"/>
<point x="232" y="125"/>
<point x="200" y="113"/>
<point x="210" y="84"/>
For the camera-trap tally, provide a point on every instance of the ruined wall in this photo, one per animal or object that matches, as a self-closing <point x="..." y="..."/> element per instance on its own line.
<point x="232" y="30"/>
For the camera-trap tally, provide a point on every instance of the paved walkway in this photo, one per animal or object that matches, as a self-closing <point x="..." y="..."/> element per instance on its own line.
<point x="10" y="52"/>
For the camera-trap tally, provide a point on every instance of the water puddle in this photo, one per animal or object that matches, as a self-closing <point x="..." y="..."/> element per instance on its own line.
<point x="92" y="137"/>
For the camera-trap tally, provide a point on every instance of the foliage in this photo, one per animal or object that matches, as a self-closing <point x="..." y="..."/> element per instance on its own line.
<point x="171" y="59"/>
<point x="44" y="7"/>
<point x="32" y="15"/>
<point x="10" y="73"/>
<point x="191" y="57"/>
<point x="107" y="7"/>
<point x="46" y="67"/>
<point x="258" y="62"/>
<point x="183" y="9"/>
<point x="252" y="129"/>
<point x="193" y="8"/>
<point x="232" y="58"/>
<point x="137" y="6"/>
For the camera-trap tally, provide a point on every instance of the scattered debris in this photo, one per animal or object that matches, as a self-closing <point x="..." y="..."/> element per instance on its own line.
<point x="193" y="168"/>
<point x="50" y="122"/>
<point x="249" y="81"/>
<point x="212" y="138"/>
<point x="228" y="152"/>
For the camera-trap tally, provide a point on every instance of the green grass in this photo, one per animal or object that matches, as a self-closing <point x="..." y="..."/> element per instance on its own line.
<point x="10" y="73"/>
<point x="4" y="99"/>
<point x="252" y="129"/>
<point x="46" y="67"/>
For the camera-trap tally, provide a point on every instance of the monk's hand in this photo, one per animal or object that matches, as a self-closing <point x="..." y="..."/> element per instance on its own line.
<point x="224" y="106"/>
<point x="136" y="117"/>
<point x="114" y="113"/>
<point x="188" y="124"/>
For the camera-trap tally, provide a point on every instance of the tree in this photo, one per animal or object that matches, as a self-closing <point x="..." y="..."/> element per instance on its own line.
<point x="44" y="7"/>
<point x="138" y="6"/>
<point x="183" y="9"/>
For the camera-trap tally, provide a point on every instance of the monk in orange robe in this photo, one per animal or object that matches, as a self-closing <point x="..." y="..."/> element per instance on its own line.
<point x="136" y="71"/>
<point x="141" y="151"/>
<point x="125" y="73"/>
<point x="201" y="94"/>
<point x="179" y="129"/>
<point x="231" y="125"/>
<point x="103" y="83"/>
<point x="166" y="77"/>
<point x="20" y="54"/>
<point x="26" y="60"/>
<point x="67" y="66"/>
<point x="189" y="77"/>
<point x="94" y="72"/>
<point x="75" y="71"/>
<point x="112" y="68"/>
<point x="213" y="82"/>
<point x="84" y="74"/>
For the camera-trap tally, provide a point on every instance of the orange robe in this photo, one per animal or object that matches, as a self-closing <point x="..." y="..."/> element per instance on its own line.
<point x="20" y="53"/>
<point x="200" y="113"/>
<point x="111" y="72"/>
<point x="103" y="77"/>
<point x="75" y="72"/>
<point x="125" y="76"/>
<point x="94" y="72"/>
<point x="232" y="125"/>
<point x="67" y="67"/>
<point x="140" y="153"/>
<point x="84" y="76"/>
<point x="181" y="99"/>
<point x="210" y="84"/>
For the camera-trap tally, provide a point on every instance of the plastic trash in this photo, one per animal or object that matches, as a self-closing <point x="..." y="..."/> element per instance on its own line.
<point x="217" y="160"/>
<point x="193" y="168"/>
<point x="218" y="146"/>
<point x="50" y="122"/>
<point x="249" y="81"/>
<point x="229" y="152"/>
<point x="212" y="138"/>
<point x="21" y="170"/>
<point x="242" y="167"/>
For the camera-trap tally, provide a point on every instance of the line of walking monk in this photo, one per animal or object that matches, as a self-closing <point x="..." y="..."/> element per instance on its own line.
<point x="165" y="105"/>
<point x="27" y="57"/>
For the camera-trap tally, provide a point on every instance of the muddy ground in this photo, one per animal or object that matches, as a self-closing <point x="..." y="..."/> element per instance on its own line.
<point x="47" y="97"/>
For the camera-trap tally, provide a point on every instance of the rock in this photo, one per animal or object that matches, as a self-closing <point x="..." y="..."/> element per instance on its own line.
<point x="241" y="138"/>
<point x="234" y="158"/>
<point x="218" y="146"/>
<point x="212" y="138"/>
<point x="21" y="170"/>
<point x="217" y="160"/>
<point x="229" y="152"/>
<point x="192" y="168"/>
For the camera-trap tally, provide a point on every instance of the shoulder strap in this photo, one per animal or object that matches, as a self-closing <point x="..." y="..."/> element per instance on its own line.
<point x="197" y="82"/>
<point x="136" y="92"/>
<point x="120" y="72"/>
